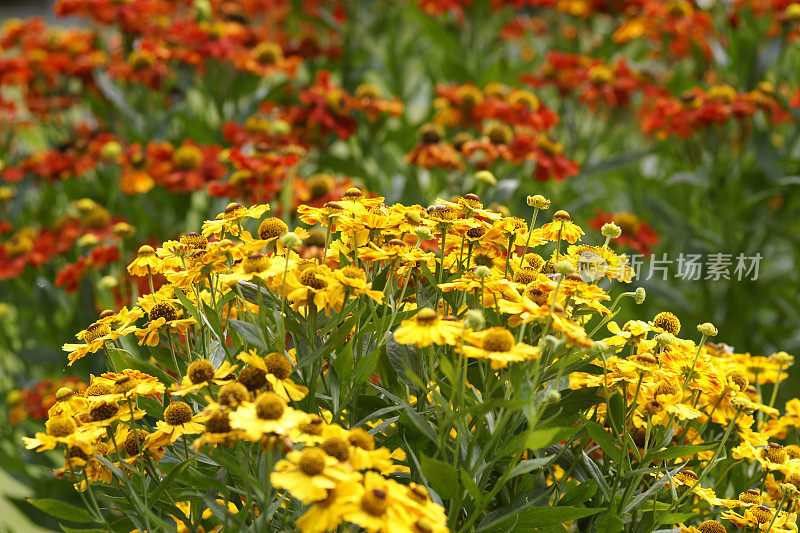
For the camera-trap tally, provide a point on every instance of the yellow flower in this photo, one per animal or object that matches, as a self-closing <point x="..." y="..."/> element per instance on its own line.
<point x="178" y="421"/>
<point x="230" y="220"/>
<point x="428" y="328"/>
<point x="201" y="373"/>
<point x="327" y="514"/>
<point x="146" y="262"/>
<point x="267" y="415"/>
<point x="561" y="227"/>
<point x="308" y="474"/>
<point x="498" y="346"/>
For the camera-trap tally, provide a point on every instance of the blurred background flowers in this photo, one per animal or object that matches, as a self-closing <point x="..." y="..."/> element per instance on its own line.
<point x="130" y="121"/>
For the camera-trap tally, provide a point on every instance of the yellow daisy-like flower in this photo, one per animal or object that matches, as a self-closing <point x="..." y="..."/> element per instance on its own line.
<point x="178" y="421"/>
<point x="308" y="474"/>
<point x="146" y="262"/>
<point x="201" y="373"/>
<point x="62" y="429"/>
<point x="498" y="346"/>
<point x="327" y="514"/>
<point x="561" y="227"/>
<point x="128" y="383"/>
<point x="429" y="328"/>
<point x="267" y="415"/>
<point x="229" y="221"/>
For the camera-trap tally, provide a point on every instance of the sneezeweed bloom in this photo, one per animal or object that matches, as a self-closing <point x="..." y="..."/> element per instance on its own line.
<point x="62" y="429"/>
<point x="561" y="228"/>
<point x="499" y="347"/>
<point x="277" y="368"/>
<point x="146" y="263"/>
<point x="230" y="220"/>
<point x="200" y="374"/>
<point x="267" y="415"/>
<point x="162" y="314"/>
<point x="309" y="474"/>
<point x="179" y="420"/>
<point x="427" y="328"/>
<point x="95" y="337"/>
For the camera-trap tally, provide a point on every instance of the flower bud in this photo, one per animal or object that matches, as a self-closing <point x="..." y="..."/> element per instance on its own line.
<point x="485" y="177"/>
<point x="108" y="282"/>
<point x="611" y="230"/>
<point x="280" y="127"/>
<point x="64" y="393"/>
<point x="789" y="490"/>
<point x="565" y="268"/>
<point x="423" y="233"/>
<point x="475" y="320"/>
<point x="111" y="150"/>
<point x="291" y="240"/>
<point x="482" y="272"/>
<point x="6" y="310"/>
<point x="707" y="329"/>
<point x="743" y="405"/>
<point x="783" y="358"/>
<point x="538" y="201"/>
<point x="639" y="295"/>
<point x="664" y="339"/>
<point x="552" y="396"/>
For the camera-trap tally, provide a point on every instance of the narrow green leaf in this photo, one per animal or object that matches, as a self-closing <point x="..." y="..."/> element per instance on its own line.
<point x="443" y="477"/>
<point x="604" y="439"/>
<point x="61" y="510"/>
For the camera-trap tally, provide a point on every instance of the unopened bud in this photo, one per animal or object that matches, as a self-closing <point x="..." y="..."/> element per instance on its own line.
<point x="611" y="230"/>
<point x="423" y="233"/>
<point x="783" y="358"/>
<point x="538" y="201"/>
<point x="108" y="282"/>
<point x="291" y="240"/>
<point x="111" y="150"/>
<point x="639" y="295"/>
<point x="485" y="177"/>
<point x="789" y="490"/>
<point x="482" y="272"/>
<point x="743" y="405"/>
<point x="475" y="320"/>
<point x="64" y="393"/>
<point x="565" y="268"/>
<point x="707" y="329"/>
<point x="664" y="339"/>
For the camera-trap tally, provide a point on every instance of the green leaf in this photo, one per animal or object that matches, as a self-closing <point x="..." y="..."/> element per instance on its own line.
<point x="66" y="529"/>
<point x="539" y="438"/>
<point x="61" y="510"/>
<point x="249" y="332"/>
<point x="604" y="439"/>
<point x="167" y="481"/>
<point x="531" y="464"/>
<point x="443" y="477"/>
<point x="579" y="493"/>
<point x="597" y="475"/>
<point x="608" y="523"/>
<point x="678" y="451"/>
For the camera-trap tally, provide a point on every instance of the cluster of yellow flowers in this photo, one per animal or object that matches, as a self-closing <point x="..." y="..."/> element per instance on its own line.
<point x="264" y="338"/>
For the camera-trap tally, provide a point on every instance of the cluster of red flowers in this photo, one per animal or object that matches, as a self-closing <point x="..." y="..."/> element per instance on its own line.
<point x="496" y="123"/>
<point x="616" y="85"/>
<point x="94" y="229"/>
<point x="594" y="81"/>
<point x="34" y="402"/>
<point x="699" y="109"/>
